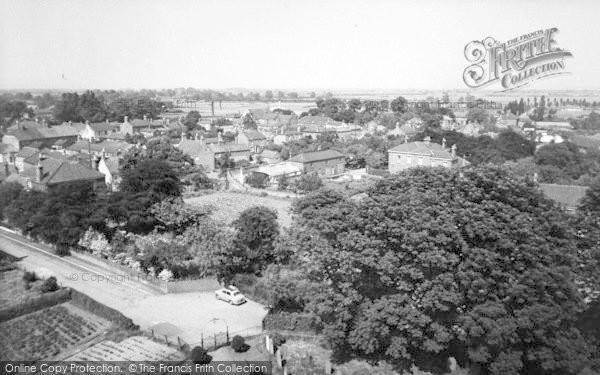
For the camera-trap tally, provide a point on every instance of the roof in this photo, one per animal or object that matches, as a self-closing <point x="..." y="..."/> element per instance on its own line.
<point x="139" y="123"/>
<point x="60" y="171"/>
<point x="423" y="148"/>
<point x="228" y="147"/>
<point x="27" y="151"/>
<point x="33" y="159"/>
<point x="41" y="131"/>
<point x="319" y="121"/>
<point x="568" y="196"/>
<point x="104" y="126"/>
<point x="110" y="147"/>
<point x="553" y="124"/>
<point x="5" y="148"/>
<point x="271" y="154"/>
<point x="309" y="157"/>
<point x="254" y="135"/>
<point x="192" y="147"/>
<point x="278" y="169"/>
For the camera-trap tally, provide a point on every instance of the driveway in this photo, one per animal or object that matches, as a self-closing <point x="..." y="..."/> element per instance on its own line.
<point x="187" y="315"/>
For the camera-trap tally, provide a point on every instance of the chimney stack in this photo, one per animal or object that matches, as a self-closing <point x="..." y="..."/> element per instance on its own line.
<point x="219" y="138"/>
<point x="426" y="140"/>
<point x="145" y="118"/>
<point x="183" y="136"/>
<point x="18" y="125"/>
<point x="453" y="151"/>
<point x="95" y="161"/>
<point x="444" y="143"/>
<point x="405" y="138"/>
<point x="39" y="171"/>
<point x="125" y="119"/>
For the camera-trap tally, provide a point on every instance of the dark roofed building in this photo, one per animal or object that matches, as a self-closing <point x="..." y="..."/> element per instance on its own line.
<point x="422" y="154"/>
<point x="566" y="196"/>
<point x="326" y="163"/>
<point x="253" y="139"/>
<point x="29" y="132"/>
<point x="51" y="172"/>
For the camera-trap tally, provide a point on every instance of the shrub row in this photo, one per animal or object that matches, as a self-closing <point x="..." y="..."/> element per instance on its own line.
<point x="42" y="302"/>
<point x="95" y="307"/>
<point x="282" y="321"/>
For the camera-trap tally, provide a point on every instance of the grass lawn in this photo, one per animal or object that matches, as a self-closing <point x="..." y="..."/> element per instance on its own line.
<point x="228" y="206"/>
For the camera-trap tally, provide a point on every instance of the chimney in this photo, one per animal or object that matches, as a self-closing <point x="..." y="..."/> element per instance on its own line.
<point x="125" y="119"/>
<point x="535" y="177"/>
<point x="405" y="138"/>
<point x="39" y="171"/>
<point x="182" y="136"/>
<point x="219" y="138"/>
<point x="6" y="169"/>
<point x="444" y="143"/>
<point x="201" y="138"/>
<point x="36" y="120"/>
<point x="298" y="129"/>
<point x="43" y="155"/>
<point x="18" y="125"/>
<point x="87" y="123"/>
<point x="427" y="140"/>
<point x="95" y="161"/>
<point x="453" y="151"/>
<point x="145" y="118"/>
<point x="398" y="125"/>
<point x="107" y="121"/>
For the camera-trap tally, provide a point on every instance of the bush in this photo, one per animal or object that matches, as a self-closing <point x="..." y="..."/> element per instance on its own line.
<point x="42" y="302"/>
<point x="50" y="285"/>
<point x="238" y="344"/>
<point x="29" y="276"/>
<point x="301" y="322"/>
<point x="278" y="340"/>
<point x="200" y="356"/>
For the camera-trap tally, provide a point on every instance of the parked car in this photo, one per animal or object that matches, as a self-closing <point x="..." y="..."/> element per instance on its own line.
<point x="230" y="294"/>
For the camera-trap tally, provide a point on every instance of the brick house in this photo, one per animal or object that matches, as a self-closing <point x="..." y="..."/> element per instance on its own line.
<point x="207" y="154"/>
<point x="253" y="139"/>
<point x="326" y="163"/>
<point x="29" y="132"/>
<point x="422" y="154"/>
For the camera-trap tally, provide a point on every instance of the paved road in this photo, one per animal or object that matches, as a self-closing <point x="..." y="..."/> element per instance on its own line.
<point x="187" y="315"/>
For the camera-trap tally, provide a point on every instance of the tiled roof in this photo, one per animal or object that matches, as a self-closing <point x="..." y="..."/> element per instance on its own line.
<point x="271" y="154"/>
<point x="568" y="196"/>
<point x="110" y="147"/>
<point x="27" y="151"/>
<point x="104" y="126"/>
<point x="33" y="158"/>
<point x="5" y="148"/>
<point x="423" y="148"/>
<point x="309" y="157"/>
<point x="59" y="171"/>
<point x="318" y="121"/>
<point x="254" y="135"/>
<point x="139" y="123"/>
<point x="228" y="147"/>
<point x="40" y="131"/>
<point x="192" y="148"/>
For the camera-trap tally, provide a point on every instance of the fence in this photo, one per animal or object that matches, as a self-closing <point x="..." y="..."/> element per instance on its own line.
<point x="217" y="340"/>
<point x="180" y="286"/>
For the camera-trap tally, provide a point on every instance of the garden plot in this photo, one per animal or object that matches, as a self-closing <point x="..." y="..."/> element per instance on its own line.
<point x="136" y="348"/>
<point x="14" y="290"/>
<point x="228" y="206"/>
<point x="46" y="333"/>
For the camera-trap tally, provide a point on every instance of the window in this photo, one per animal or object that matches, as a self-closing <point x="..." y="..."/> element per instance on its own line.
<point x="409" y="160"/>
<point x="420" y="160"/>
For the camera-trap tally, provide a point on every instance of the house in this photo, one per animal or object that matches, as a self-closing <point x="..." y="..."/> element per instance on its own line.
<point x="553" y="125"/>
<point x="287" y="135"/>
<point x="253" y="139"/>
<point x="99" y="130"/>
<point x="106" y="147"/>
<point x="269" y="156"/>
<point x="566" y="196"/>
<point x="545" y="138"/>
<point x="275" y="171"/>
<point x="50" y="173"/>
<point x="470" y="129"/>
<point x="326" y="163"/>
<point x="7" y="153"/>
<point x="109" y="167"/>
<point x="146" y="126"/>
<point x="319" y="122"/>
<point x="422" y="154"/>
<point x="28" y="132"/>
<point x="207" y="154"/>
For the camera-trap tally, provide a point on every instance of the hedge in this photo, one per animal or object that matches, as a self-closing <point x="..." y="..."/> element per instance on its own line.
<point x="86" y="302"/>
<point x="42" y="302"/>
<point x="283" y="321"/>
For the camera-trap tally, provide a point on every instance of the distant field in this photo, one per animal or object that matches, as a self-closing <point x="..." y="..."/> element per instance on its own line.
<point x="228" y="206"/>
<point x="241" y="107"/>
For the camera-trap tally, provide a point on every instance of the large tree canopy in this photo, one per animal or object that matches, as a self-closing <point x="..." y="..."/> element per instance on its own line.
<point x="435" y="263"/>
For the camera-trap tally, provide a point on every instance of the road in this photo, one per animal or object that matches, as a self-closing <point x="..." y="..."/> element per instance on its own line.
<point x="187" y="315"/>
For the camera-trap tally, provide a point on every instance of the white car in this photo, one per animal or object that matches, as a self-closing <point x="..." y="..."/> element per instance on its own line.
<point x="230" y="294"/>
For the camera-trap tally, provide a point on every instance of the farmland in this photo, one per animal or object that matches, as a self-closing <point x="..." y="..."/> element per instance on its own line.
<point x="228" y="206"/>
<point x="46" y="333"/>
<point x="229" y="108"/>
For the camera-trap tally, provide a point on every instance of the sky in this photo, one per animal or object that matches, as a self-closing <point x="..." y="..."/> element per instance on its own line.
<point x="277" y="44"/>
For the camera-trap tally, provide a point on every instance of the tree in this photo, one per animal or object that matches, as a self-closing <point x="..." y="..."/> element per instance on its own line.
<point x="398" y="105"/>
<point x="9" y="192"/>
<point x="293" y="95"/>
<point x="191" y="119"/>
<point x="591" y="201"/>
<point x="308" y="182"/>
<point x="49" y="285"/>
<point x="478" y="115"/>
<point x="269" y="95"/>
<point x="435" y="263"/>
<point x="248" y="122"/>
<point x="200" y="356"/>
<point x="252" y="250"/>
<point x="152" y="177"/>
<point x="238" y="344"/>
